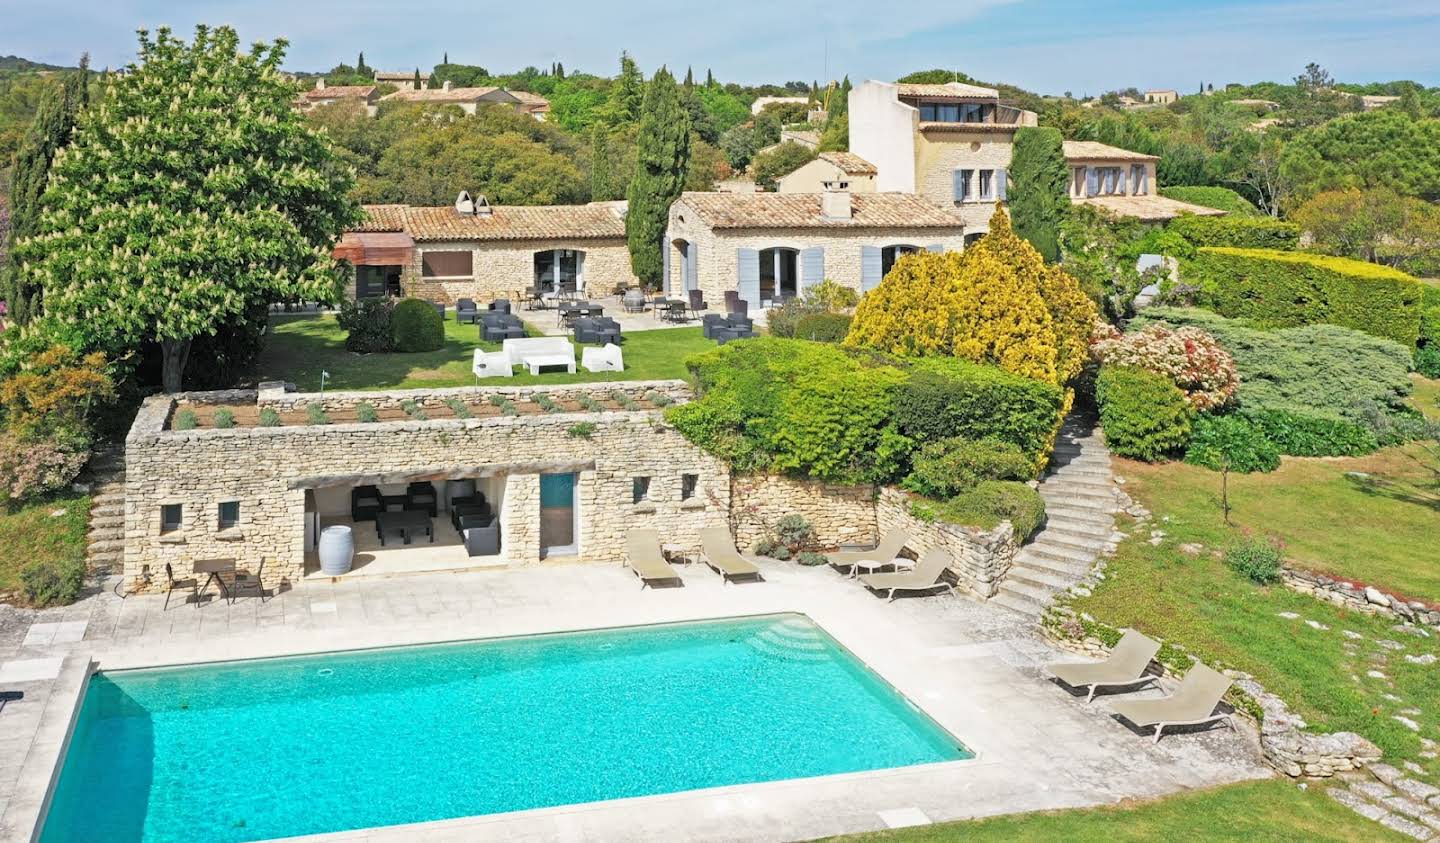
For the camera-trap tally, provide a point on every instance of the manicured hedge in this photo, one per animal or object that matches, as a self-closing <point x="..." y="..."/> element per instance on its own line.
<point x="1221" y="198"/>
<point x="946" y="397"/>
<point x="1145" y="416"/>
<point x="416" y="325"/>
<point x="1281" y="289"/>
<point x="1299" y="434"/>
<point x="1427" y="348"/>
<point x="823" y="327"/>
<point x="1237" y="232"/>
<point x="1231" y="442"/>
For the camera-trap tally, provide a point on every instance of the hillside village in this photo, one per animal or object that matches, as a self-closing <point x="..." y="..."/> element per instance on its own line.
<point x="995" y="464"/>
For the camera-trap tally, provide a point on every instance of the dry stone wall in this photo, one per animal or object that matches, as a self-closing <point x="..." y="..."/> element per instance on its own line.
<point x="981" y="557"/>
<point x="840" y="514"/>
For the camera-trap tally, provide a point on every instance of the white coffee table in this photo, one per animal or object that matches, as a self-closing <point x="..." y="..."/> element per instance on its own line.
<point x="870" y="566"/>
<point x="535" y="363"/>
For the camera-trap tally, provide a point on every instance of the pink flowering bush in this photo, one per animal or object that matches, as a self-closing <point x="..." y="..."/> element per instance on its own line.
<point x="29" y="468"/>
<point x="1188" y="356"/>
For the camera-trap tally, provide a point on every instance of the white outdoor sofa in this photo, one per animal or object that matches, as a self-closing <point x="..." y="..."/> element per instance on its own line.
<point x="521" y="351"/>
<point x="491" y="364"/>
<point x="604" y="359"/>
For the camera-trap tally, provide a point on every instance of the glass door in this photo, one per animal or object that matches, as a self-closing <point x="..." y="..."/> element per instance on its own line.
<point x="557" y="515"/>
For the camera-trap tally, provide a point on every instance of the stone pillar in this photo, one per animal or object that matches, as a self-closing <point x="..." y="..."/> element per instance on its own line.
<point x="520" y="519"/>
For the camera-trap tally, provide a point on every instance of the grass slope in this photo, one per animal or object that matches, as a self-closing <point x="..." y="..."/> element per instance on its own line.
<point x="32" y="533"/>
<point x="299" y="348"/>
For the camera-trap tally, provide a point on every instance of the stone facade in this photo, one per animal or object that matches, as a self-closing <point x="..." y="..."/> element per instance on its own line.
<point x="938" y="154"/>
<point x="840" y="514"/>
<point x="268" y="470"/>
<point x="981" y="556"/>
<point x="501" y="268"/>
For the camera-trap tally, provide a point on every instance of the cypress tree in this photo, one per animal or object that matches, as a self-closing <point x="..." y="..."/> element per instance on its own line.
<point x="360" y="67"/>
<point x="50" y="131"/>
<point x="418" y="84"/>
<point x="1037" y="191"/>
<point x="602" y="177"/>
<point x="709" y="78"/>
<point x="559" y="70"/>
<point x="445" y="57"/>
<point x="663" y="159"/>
<point x="689" y="78"/>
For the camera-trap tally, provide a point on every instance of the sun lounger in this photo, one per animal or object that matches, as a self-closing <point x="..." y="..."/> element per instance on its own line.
<point x="925" y="576"/>
<point x="718" y="551"/>
<point x="643" y="555"/>
<point x="1126" y="666"/>
<point x="890" y="546"/>
<point x="1192" y="703"/>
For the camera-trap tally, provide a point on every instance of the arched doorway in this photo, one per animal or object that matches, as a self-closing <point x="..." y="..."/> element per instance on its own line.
<point x="560" y="271"/>
<point x="779" y="275"/>
<point x="890" y="254"/>
<point x="974" y="237"/>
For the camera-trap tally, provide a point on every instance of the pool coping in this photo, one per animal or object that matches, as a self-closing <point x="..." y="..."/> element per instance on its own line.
<point x="40" y="772"/>
<point x="142" y="657"/>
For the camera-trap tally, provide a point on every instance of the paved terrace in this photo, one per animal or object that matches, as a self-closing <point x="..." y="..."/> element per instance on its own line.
<point x="974" y="668"/>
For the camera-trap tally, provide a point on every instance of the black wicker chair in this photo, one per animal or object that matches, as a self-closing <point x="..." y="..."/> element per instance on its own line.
<point x="364" y="503"/>
<point x="422" y="495"/>
<point x="466" y="311"/>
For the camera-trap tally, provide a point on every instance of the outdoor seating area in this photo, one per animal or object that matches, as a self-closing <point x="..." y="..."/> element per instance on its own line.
<point x="599" y="330"/>
<point x="722" y="329"/>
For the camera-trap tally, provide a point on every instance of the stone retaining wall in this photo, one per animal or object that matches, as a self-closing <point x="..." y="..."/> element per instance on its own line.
<point x="981" y="556"/>
<point x="282" y="401"/>
<point x="1360" y="598"/>
<point x="840" y="514"/>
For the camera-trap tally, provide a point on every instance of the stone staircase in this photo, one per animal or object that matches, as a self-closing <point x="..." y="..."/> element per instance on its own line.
<point x="1080" y="503"/>
<point x="105" y="541"/>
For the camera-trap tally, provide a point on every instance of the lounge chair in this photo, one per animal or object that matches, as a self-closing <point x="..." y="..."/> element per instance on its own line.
<point x="643" y="555"/>
<point x="718" y="551"/>
<point x="1126" y="666"/>
<point x="466" y="311"/>
<point x="925" y="576"/>
<point x="890" y="546"/>
<point x="1192" y="703"/>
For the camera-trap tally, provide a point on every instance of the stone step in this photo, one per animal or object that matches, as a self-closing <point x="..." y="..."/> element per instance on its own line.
<point x="104" y="498"/>
<point x="1063" y="488"/>
<point x="1080" y="461"/>
<point x="1085" y="528"/>
<point x="1080" y="470"/>
<point x="109" y="510"/>
<point x="1040" y="577"/>
<point x="1060" y="552"/>
<point x="1039" y="596"/>
<point x="1089" y="545"/>
<point x="110" y="523"/>
<point x="1019" y="605"/>
<point x="1087" y="511"/>
<point x="1074" y="571"/>
<point x="1079" y="483"/>
<point x="106" y="544"/>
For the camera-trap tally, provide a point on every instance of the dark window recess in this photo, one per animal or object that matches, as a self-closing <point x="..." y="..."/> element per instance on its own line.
<point x="640" y="489"/>
<point x="688" y="484"/>
<point x="446" y="264"/>
<point x="229" y="514"/>
<point x="171" y="517"/>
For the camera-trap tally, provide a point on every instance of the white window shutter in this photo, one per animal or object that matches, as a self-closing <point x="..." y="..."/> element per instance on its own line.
<point x="870" y="268"/>
<point x="812" y="268"/>
<point x="937" y="248"/>
<point x="1000" y="179"/>
<point x="692" y="266"/>
<point x="960" y="179"/>
<point x="747" y="276"/>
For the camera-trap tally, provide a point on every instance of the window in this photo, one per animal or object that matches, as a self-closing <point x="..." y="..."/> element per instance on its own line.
<point x="987" y="184"/>
<point x="447" y="264"/>
<point x="171" y="517"/>
<point x="963" y="181"/>
<point x="640" y="490"/>
<point x="688" y="484"/>
<point x="890" y="254"/>
<point x="949" y="113"/>
<point x="927" y="112"/>
<point x="229" y="515"/>
<point x="1139" y="180"/>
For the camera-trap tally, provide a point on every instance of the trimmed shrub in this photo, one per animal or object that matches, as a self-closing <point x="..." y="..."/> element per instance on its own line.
<point x="1221" y="442"/>
<point x="316" y="414"/>
<point x="791" y="536"/>
<point x="1188" y="356"/>
<point x="365" y="412"/>
<point x="269" y="418"/>
<point x="367" y="322"/>
<point x="832" y="295"/>
<point x="53" y="582"/>
<point x="822" y="327"/>
<point x="415" y="325"/>
<point x="30" y="468"/>
<point x="224" y="419"/>
<point x="1236" y="232"/>
<point x="946" y="468"/>
<point x="993" y="501"/>
<point x="948" y="397"/>
<point x="1300" y="434"/>
<point x="1427" y="347"/>
<point x="1145" y="416"/>
<point x="185" y="420"/>
<point x="1321" y="370"/>
<point x="1220" y="198"/>
<point x="1258" y="561"/>
<point x="1284" y="289"/>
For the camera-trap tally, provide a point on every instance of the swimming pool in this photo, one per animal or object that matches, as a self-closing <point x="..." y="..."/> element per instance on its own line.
<point x="303" y="745"/>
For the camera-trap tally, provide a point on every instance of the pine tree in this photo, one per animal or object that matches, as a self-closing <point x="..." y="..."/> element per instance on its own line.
<point x="50" y="131"/>
<point x="664" y="157"/>
<point x="627" y="95"/>
<point x="1037" y="193"/>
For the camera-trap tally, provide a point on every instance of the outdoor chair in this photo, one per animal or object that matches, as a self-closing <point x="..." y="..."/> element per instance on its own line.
<point x="440" y="309"/>
<point x="717" y="548"/>
<point x="172" y="585"/>
<point x="463" y="511"/>
<point x="735" y="327"/>
<point x="364" y="503"/>
<point x="741" y="308"/>
<point x="1192" y="703"/>
<point x="889" y="548"/>
<point x="1126" y="666"/>
<point x="601" y="330"/>
<point x="422" y="495"/>
<point x="497" y="327"/>
<point x="607" y="358"/>
<point x="711" y="323"/>
<point x="732" y="301"/>
<point x="644" y="557"/>
<point x="466" y="311"/>
<point x="928" y="574"/>
<point x="482" y="536"/>
<point x="491" y="364"/>
<point x="500" y="306"/>
<point x="697" y="302"/>
<point x="245" y="581"/>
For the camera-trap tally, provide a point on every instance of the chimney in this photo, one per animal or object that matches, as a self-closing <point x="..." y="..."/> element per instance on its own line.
<point x="482" y="207"/>
<point x="446" y="86"/>
<point x="320" y="84"/>
<point x="835" y="200"/>
<point x="464" y="205"/>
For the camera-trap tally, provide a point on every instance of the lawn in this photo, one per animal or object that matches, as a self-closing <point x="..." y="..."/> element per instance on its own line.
<point x="1426" y="397"/>
<point x="299" y="348"/>
<point x="35" y="534"/>
<point x="1254" y="811"/>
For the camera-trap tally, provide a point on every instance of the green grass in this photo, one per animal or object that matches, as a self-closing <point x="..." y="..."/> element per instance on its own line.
<point x="1426" y="396"/>
<point x="299" y="348"/>
<point x="1221" y="617"/>
<point x="31" y="533"/>
<point x="1254" y="811"/>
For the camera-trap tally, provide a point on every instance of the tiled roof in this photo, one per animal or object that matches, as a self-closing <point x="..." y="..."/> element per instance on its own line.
<point x="1148" y="208"/>
<point x="339" y="91"/>
<point x="517" y="222"/>
<point x="451" y="95"/>
<point x="532" y="102"/>
<point x="382" y="218"/>
<point x="802" y="210"/>
<point x="398" y="75"/>
<point x="1075" y="150"/>
<point x="949" y="89"/>
<point x="849" y="163"/>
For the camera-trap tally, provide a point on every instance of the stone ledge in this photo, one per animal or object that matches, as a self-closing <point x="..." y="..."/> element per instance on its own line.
<point x="1361" y="598"/>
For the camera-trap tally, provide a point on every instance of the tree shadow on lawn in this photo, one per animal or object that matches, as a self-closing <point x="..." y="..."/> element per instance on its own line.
<point x="1422" y="491"/>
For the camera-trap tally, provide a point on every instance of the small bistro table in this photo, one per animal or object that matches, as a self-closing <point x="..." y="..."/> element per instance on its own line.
<point x="213" y="567"/>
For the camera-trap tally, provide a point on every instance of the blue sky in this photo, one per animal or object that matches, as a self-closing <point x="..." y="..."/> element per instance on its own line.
<point x="1046" y="45"/>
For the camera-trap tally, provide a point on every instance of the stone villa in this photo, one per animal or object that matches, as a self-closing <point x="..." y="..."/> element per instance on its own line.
<point x="851" y="171"/>
<point x="1122" y="183"/>
<point x="361" y="96"/>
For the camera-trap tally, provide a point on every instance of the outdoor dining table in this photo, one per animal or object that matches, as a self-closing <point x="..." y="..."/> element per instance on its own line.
<point x="407" y="522"/>
<point x="674" y="309"/>
<point x="213" y="567"/>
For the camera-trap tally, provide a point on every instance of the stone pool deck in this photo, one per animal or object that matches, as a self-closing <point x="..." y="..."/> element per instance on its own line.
<point x="976" y="669"/>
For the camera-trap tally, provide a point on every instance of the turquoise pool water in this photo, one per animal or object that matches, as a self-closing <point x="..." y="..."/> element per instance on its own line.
<point x="280" y="747"/>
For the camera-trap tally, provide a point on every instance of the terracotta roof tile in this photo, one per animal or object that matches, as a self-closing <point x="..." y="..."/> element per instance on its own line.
<point x="802" y="210"/>
<point x="1077" y="150"/>
<point x="1147" y="208"/>
<point x="532" y="102"/>
<point x="949" y="89"/>
<point x="452" y="95"/>
<point x="517" y="222"/>
<point x="382" y="218"/>
<point x="849" y="163"/>
<point x="339" y="92"/>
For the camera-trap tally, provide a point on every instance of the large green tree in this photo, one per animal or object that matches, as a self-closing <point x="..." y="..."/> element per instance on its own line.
<point x="1383" y="148"/>
<point x="192" y="192"/>
<point x="663" y="159"/>
<point x="781" y="161"/>
<point x="627" y="94"/>
<point x="54" y="122"/>
<point x="1038" y="193"/>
